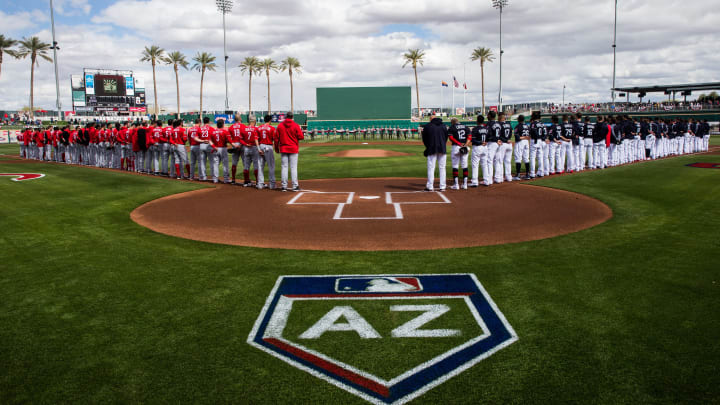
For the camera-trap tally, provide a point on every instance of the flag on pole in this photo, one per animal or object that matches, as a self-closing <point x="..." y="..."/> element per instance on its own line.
<point x="465" y="86"/>
<point x="444" y="83"/>
<point x="455" y="82"/>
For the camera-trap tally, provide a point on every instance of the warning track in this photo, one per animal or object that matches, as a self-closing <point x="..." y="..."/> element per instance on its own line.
<point x="370" y="215"/>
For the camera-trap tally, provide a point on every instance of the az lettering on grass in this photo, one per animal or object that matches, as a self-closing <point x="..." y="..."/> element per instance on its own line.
<point x="408" y="334"/>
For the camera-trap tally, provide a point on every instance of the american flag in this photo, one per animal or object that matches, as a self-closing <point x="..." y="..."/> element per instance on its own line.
<point x="455" y="82"/>
<point x="465" y="86"/>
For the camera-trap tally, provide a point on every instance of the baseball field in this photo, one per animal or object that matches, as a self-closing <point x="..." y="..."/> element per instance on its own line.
<point x="96" y="308"/>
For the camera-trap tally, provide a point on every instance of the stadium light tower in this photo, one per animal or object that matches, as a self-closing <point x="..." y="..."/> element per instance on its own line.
<point x="225" y="7"/>
<point x="614" y="52"/>
<point x="55" y="48"/>
<point x="500" y="4"/>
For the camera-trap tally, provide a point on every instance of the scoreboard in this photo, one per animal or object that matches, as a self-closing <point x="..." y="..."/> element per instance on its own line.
<point x="108" y="92"/>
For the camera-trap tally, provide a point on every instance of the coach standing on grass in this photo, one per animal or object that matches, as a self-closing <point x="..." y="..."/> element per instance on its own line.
<point x="435" y="137"/>
<point x="289" y="136"/>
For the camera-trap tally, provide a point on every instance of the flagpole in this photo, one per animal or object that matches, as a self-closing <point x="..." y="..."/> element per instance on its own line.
<point x="464" y="89"/>
<point x="453" y="96"/>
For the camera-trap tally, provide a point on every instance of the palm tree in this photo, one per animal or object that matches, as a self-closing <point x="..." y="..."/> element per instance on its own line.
<point x="5" y="45"/>
<point x="415" y="57"/>
<point x="33" y="47"/>
<point x="203" y="61"/>
<point x="251" y="65"/>
<point x="177" y="59"/>
<point x="291" y="65"/>
<point x="153" y="54"/>
<point x="483" y="55"/>
<point x="268" y="65"/>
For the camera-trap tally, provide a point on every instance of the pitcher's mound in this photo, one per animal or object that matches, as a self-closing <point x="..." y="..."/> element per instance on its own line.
<point x="366" y="153"/>
<point x="371" y="214"/>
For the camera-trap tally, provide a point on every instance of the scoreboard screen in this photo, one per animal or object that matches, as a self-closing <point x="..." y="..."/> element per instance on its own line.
<point x="106" y="85"/>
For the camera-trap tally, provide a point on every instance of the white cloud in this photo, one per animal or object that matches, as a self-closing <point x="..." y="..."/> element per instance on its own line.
<point x="72" y="7"/>
<point x="339" y="44"/>
<point x="13" y="23"/>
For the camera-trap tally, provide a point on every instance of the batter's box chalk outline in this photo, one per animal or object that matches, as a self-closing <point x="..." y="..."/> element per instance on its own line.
<point x="351" y="196"/>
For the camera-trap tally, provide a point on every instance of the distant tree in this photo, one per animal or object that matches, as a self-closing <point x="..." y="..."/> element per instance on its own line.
<point x="268" y="65"/>
<point x="203" y="61"/>
<point x="153" y="54"/>
<point x="483" y="55"/>
<point x="177" y="59"/>
<point x="292" y="65"/>
<point x="415" y="57"/>
<point x="5" y="48"/>
<point x="252" y="66"/>
<point x="34" y="48"/>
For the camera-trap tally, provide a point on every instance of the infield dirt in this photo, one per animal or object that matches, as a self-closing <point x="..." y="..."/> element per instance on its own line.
<point x="371" y="215"/>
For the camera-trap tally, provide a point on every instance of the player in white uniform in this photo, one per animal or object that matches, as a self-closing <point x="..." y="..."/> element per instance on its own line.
<point x="480" y="154"/>
<point x="522" y="148"/>
<point x="459" y="137"/>
<point x="539" y="145"/>
<point x="503" y="155"/>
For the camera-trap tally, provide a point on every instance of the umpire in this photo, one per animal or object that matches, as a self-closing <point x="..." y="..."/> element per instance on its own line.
<point x="435" y="137"/>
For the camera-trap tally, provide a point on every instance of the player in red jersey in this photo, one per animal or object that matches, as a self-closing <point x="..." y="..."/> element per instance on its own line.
<point x="156" y="135"/>
<point x="218" y="139"/>
<point x="40" y="144"/>
<point x="206" y="148"/>
<point x="19" y="138"/>
<point x="267" y="137"/>
<point x="235" y="134"/>
<point x="250" y="151"/>
<point x="55" y="136"/>
<point x="178" y="138"/>
<point x="166" y="150"/>
<point x="193" y="134"/>
<point x="26" y="140"/>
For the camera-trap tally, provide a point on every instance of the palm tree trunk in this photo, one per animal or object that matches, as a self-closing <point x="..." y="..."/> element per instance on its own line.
<point x="202" y="78"/>
<point x="177" y="86"/>
<point x="157" y="109"/>
<point x="292" y="93"/>
<point x="32" y="80"/>
<point x="250" y="97"/>
<point x="1" y="61"/>
<point x="417" y="92"/>
<point x="268" y="80"/>
<point x="482" y="80"/>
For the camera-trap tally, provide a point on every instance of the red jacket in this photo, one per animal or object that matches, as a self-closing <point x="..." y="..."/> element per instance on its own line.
<point x="289" y="136"/>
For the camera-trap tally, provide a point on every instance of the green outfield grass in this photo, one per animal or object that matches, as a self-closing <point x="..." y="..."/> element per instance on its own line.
<point x="98" y="309"/>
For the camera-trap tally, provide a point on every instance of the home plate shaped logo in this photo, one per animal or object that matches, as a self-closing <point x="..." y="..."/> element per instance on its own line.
<point x="385" y="338"/>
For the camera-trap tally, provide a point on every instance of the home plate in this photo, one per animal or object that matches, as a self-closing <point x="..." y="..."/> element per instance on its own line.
<point x="369" y="197"/>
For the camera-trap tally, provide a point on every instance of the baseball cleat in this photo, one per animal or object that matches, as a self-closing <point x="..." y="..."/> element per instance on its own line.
<point x="429" y="190"/>
<point x="247" y="184"/>
<point x="455" y="187"/>
<point x="474" y="185"/>
<point x="516" y="178"/>
<point x="464" y="187"/>
<point x="296" y="189"/>
<point x="284" y="189"/>
<point x="442" y="190"/>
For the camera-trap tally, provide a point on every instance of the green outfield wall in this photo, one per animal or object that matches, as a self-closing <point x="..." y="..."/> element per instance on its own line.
<point x="363" y="103"/>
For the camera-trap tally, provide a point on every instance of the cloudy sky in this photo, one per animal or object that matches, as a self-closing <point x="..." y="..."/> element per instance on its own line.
<point x="361" y="42"/>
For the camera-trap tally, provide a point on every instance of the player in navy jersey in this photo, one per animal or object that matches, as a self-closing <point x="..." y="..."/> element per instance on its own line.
<point x="577" y="139"/>
<point x="587" y="146"/>
<point x="554" y="133"/>
<point x="480" y="143"/>
<point x="539" y="145"/>
<point x="503" y="156"/>
<point x="461" y="139"/>
<point x="494" y="129"/>
<point x="522" y="148"/>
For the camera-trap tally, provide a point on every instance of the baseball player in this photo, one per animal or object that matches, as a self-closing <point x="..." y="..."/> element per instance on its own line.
<point x="40" y="144"/>
<point x="289" y="136"/>
<point x="565" y="154"/>
<point x="554" y="134"/>
<point x="461" y="140"/>
<point x="235" y="136"/>
<point x="178" y="138"/>
<point x="587" y="146"/>
<point x="503" y="156"/>
<point x="706" y="136"/>
<point x="267" y="137"/>
<point x="206" y="148"/>
<point x="522" y="148"/>
<point x="193" y="134"/>
<point x="21" y="141"/>
<point x="166" y="151"/>
<point x="250" y="155"/>
<point x="539" y="145"/>
<point x="599" y="140"/>
<point x="577" y="139"/>
<point x="218" y="140"/>
<point x="494" y="129"/>
<point x="480" y="142"/>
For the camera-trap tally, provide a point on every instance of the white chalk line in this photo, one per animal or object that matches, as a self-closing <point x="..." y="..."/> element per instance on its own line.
<point x="351" y="195"/>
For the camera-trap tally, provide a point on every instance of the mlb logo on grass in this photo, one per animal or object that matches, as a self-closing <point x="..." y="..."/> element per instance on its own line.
<point x="387" y="338"/>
